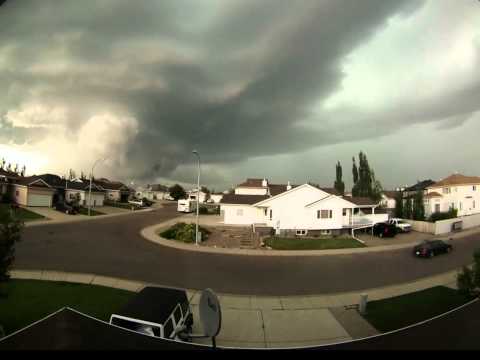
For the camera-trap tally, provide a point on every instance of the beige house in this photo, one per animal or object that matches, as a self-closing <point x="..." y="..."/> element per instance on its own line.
<point x="32" y="191"/>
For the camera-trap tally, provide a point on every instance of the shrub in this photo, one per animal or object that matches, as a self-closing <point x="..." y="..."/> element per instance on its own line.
<point x="465" y="282"/>
<point x="203" y="210"/>
<point x="451" y="214"/>
<point x="184" y="232"/>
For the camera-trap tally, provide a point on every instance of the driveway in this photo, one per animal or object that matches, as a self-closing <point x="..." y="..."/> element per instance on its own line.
<point x="413" y="237"/>
<point x="113" y="247"/>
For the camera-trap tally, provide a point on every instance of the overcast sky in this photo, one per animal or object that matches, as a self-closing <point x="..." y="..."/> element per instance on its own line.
<point x="274" y="88"/>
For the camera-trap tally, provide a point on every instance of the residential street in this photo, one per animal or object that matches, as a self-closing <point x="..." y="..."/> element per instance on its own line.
<point x="114" y="247"/>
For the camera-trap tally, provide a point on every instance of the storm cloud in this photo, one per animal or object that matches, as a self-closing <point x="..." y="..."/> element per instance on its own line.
<point x="145" y="82"/>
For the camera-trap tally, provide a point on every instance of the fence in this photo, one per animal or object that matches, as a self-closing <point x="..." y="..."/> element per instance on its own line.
<point x="445" y="226"/>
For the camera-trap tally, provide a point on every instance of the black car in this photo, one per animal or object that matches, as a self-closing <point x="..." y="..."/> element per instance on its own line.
<point x="384" y="230"/>
<point x="430" y="248"/>
<point x="66" y="208"/>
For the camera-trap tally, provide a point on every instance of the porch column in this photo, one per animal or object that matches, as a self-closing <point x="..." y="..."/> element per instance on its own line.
<point x="373" y="210"/>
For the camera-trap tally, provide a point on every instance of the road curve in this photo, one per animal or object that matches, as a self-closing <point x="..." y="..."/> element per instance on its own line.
<point x="114" y="247"/>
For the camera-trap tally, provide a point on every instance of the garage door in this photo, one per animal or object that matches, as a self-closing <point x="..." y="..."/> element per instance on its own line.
<point x="39" y="200"/>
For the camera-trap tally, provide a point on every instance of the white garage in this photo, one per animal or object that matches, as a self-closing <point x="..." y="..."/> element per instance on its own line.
<point x="39" y="200"/>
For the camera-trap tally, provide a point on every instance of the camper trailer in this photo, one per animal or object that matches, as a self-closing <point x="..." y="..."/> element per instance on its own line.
<point x="187" y="205"/>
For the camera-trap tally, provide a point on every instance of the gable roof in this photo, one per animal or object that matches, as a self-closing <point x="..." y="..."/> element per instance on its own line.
<point x="422" y="185"/>
<point x="83" y="186"/>
<point x="33" y="181"/>
<point x="110" y="185"/>
<point x="457" y="179"/>
<point x="433" y="194"/>
<point x="8" y="174"/>
<point x="288" y="192"/>
<point x="276" y="189"/>
<point x="242" y="199"/>
<point x="360" y="201"/>
<point x="157" y="187"/>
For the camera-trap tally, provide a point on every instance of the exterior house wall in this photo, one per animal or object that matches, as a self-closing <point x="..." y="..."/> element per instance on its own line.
<point x="113" y="195"/>
<point x="192" y="195"/>
<point x="97" y="199"/>
<point x="20" y="194"/>
<point x="216" y="198"/>
<point x="250" y="191"/>
<point x="462" y="197"/>
<point x="387" y="202"/>
<point x="240" y="214"/>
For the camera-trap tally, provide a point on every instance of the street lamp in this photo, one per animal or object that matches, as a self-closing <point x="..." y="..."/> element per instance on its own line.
<point x="198" y="195"/>
<point x="90" y="187"/>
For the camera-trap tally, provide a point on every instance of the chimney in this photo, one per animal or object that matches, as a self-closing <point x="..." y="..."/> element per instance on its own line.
<point x="289" y="187"/>
<point x="264" y="182"/>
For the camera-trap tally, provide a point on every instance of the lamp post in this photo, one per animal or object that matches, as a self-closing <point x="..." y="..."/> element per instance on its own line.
<point x="198" y="195"/>
<point x="90" y="187"/>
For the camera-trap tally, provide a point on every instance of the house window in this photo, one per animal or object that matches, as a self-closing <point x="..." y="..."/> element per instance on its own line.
<point x="271" y="214"/>
<point x="446" y="190"/>
<point x="265" y="211"/>
<point x="301" y="232"/>
<point x="473" y="204"/>
<point x="437" y="208"/>
<point x="17" y="193"/>
<point x="239" y="212"/>
<point x="344" y="212"/>
<point x="324" y="214"/>
<point x="326" y="232"/>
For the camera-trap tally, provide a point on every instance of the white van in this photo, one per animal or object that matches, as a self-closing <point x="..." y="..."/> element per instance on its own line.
<point x="187" y="205"/>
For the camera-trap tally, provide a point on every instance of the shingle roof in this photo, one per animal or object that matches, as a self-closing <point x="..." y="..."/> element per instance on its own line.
<point x="361" y="201"/>
<point x="276" y="189"/>
<point x="158" y="187"/>
<point x="457" y="179"/>
<point x="242" y="199"/>
<point x="8" y="174"/>
<point x="109" y="185"/>
<point x="391" y="194"/>
<point x="422" y="185"/>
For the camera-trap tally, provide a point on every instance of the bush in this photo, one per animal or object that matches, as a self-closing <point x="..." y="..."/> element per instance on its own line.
<point x="203" y="210"/>
<point x="184" y="232"/>
<point x="465" y="282"/>
<point x="451" y="214"/>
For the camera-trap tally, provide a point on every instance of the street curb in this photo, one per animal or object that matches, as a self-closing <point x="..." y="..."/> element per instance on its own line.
<point x="230" y="301"/>
<point x="83" y="219"/>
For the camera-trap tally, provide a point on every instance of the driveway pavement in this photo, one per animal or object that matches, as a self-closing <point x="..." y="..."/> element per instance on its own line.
<point x="412" y="237"/>
<point x="113" y="246"/>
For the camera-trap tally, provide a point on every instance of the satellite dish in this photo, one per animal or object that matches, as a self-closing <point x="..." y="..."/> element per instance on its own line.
<point x="210" y="313"/>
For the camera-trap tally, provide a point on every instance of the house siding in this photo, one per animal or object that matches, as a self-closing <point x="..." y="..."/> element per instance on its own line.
<point x="462" y="196"/>
<point x="20" y="194"/>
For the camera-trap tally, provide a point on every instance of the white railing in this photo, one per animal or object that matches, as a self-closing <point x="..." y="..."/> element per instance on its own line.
<point x="370" y="219"/>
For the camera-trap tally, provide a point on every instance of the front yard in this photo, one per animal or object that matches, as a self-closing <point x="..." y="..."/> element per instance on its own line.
<point x="30" y="300"/>
<point x="84" y="211"/>
<point x="400" y="311"/>
<point x="23" y="214"/>
<point x="320" y="243"/>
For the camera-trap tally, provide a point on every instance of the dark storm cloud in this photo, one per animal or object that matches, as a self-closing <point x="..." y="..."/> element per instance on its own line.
<point x="236" y="87"/>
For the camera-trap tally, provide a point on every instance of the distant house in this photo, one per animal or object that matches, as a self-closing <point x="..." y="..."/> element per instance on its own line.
<point x="216" y="197"/>
<point x="153" y="192"/>
<point x="411" y="191"/>
<point x="93" y="198"/>
<point x="297" y="210"/>
<point x="389" y="201"/>
<point x="203" y="196"/>
<point x="456" y="191"/>
<point x="114" y="190"/>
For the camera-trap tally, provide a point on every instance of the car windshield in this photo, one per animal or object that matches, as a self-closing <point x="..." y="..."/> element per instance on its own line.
<point x="291" y="155"/>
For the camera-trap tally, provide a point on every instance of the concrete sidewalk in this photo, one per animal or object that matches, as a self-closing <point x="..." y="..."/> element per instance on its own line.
<point x="268" y="322"/>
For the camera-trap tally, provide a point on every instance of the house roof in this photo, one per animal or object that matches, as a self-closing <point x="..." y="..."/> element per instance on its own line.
<point x="276" y="189"/>
<point x="422" y="185"/>
<point x="109" y="185"/>
<point x="433" y="194"/>
<point x="360" y="201"/>
<point x="158" y="187"/>
<point x="33" y="181"/>
<point x="257" y="183"/>
<point x="8" y="174"/>
<point x="457" y="179"/>
<point x="242" y="199"/>
<point x="83" y="186"/>
<point x="391" y="193"/>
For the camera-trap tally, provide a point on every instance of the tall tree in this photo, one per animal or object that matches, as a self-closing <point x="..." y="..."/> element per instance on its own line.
<point x="376" y="188"/>
<point x="177" y="192"/>
<point x="399" y="205"/>
<point x="366" y="184"/>
<point x="339" y="185"/>
<point x="408" y="209"/>
<point x="418" y="211"/>
<point x="354" y="171"/>
<point x="10" y="233"/>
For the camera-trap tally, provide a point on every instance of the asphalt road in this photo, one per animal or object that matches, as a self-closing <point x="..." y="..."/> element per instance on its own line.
<point x="114" y="247"/>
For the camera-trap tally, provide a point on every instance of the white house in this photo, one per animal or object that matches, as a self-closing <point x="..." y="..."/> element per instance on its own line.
<point x="300" y="210"/>
<point x="389" y="201"/>
<point x="216" y="197"/>
<point x="94" y="199"/>
<point x="192" y="195"/>
<point x="32" y="191"/>
<point x="455" y="191"/>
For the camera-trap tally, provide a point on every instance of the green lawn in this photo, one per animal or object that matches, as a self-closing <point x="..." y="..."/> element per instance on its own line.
<point x="30" y="300"/>
<point x="24" y="214"/>
<point x="400" y="311"/>
<point x="84" y="211"/>
<point x="320" y="243"/>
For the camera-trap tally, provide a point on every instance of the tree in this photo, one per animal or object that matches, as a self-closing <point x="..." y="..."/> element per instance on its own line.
<point x="22" y="174"/>
<point x="407" y="211"/>
<point x="339" y="185"/>
<point x="468" y="280"/>
<point x="354" y="171"/>
<point x="177" y="192"/>
<point x="10" y="233"/>
<point x="399" y="205"/>
<point x="418" y="211"/>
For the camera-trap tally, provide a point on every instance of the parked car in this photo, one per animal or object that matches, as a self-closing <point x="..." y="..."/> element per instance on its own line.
<point x="430" y="248"/>
<point x="384" y="230"/>
<point x="65" y="208"/>
<point x="401" y="225"/>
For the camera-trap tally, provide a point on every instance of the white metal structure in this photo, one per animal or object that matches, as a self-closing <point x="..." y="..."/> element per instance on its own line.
<point x="186" y="205"/>
<point x="197" y="237"/>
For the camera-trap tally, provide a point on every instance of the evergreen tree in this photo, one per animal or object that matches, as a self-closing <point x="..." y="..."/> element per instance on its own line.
<point x="339" y="185"/>
<point x="399" y="205"/>
<point x="418" y="211"/>
<point x="377" y="190"/>
<point x="355" y="172"/>
<point x="10" y="233"/>
<point x="407" y="211"/>
<point x="177" y="192"/>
